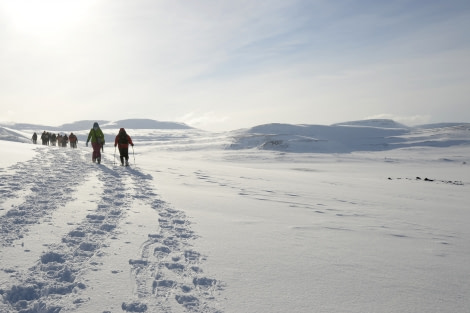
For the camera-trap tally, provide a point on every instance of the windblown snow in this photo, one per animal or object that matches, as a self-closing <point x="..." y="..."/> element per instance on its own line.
<point x="364" y="216"/>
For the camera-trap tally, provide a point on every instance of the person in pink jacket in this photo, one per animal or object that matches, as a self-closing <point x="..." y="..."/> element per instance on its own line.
<point x="122" y="141"/>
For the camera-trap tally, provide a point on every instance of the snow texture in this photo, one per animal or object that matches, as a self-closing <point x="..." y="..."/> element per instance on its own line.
<point x="364" y="216"/>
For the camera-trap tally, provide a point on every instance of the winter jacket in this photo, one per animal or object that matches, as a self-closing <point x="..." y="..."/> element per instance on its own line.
<point x="96" y="135"/>
<point x="123" y="145"/>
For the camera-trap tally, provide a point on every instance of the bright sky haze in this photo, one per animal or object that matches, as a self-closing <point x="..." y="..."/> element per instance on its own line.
<point x="224" y="65"/>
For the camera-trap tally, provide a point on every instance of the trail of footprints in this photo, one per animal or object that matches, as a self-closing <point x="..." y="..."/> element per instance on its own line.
<point x="55" y="279"/>
<point x="169" y="269"/>
<point x="167" y="274"/>
<point x="48" y="181"/>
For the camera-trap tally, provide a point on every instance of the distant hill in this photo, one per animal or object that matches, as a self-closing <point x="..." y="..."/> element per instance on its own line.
<point x="379" y="123"/>
<point x="367" y="135"/>
<point x="31" y="127"/>
<point x="442" y="125"/>
<point x="88" y="124"/>
<point x="145" y="124"/>
<point x="80" y="125"/>
<point x="336" y="138"/>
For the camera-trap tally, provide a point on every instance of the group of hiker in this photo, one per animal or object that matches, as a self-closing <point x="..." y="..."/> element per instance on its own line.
<point x="52" y="139"/>
<point x="96" y="137"/>
<point x="122" y="141"/>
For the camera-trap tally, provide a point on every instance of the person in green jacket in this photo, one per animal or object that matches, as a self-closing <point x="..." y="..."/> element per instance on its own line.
<point x="97" y="141"/>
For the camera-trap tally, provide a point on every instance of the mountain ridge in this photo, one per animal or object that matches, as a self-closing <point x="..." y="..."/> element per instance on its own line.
<point x="104" y="124"/>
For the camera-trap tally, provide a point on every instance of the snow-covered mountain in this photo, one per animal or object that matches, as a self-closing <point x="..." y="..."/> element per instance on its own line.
<point x="145" y="124"/>
<point x="319" y="138"/>
<point x="379" y="123"/>
<point x="88" y="124"/>
<point x="368" y="135"/>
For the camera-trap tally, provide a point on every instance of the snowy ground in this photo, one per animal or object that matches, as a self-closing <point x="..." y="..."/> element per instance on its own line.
<point x="200" y="223"/>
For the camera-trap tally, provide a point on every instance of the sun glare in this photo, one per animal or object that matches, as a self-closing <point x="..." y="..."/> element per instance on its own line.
<point x="43" y="17"/>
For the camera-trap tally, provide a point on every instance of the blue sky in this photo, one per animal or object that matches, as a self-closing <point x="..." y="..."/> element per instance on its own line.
<point x="224" y="65"/>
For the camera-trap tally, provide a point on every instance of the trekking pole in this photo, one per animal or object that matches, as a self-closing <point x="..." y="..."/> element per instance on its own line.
<point x="114" y="156"/>
<point x="133" y="153"/>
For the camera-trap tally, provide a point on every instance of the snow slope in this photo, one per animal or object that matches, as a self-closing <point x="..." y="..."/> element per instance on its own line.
<point x="13" y="135"/>
<point x="348" y="137"/>
<point x="223" y="222"/>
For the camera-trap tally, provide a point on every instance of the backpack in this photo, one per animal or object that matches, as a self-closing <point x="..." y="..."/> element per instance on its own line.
<point x="99" y="140"/>
<point x="123" y="138"/>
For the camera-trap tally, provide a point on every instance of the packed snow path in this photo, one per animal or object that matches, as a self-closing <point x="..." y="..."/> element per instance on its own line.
<point x="57" y="247"/>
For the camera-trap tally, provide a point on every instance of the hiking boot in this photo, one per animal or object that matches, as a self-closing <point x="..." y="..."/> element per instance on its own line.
<point x="127" y="163"/>
<point x="99" y="160"/>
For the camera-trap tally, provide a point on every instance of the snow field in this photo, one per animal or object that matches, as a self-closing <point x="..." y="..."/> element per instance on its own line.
<point x="244" y="221"/>
<point x="336" y="233"/>
<point x="69" y="231"/>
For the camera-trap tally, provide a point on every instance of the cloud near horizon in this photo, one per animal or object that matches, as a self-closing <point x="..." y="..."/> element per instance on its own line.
<point x="234" y="64"/>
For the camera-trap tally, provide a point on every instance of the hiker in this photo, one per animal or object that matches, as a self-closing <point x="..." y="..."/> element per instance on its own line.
<point x="59" y="140"/>
<point x="35" y="138"/>
<point x="65" y="139"/>
<point x="53" y="139"/>
<point x="73" y="140"/>
<point x="44" y="138"/>
<point x="97" y="141"/>
<point x="123" y="140"/>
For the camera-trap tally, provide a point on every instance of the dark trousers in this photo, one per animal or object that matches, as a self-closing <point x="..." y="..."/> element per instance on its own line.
<point x="124" y="154"/>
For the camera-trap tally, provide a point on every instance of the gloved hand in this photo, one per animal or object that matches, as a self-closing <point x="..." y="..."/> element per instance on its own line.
<point x="86" y="144"/>
<point x="132" y="144"/>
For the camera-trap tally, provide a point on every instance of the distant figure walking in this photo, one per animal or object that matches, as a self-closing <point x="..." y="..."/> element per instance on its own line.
<point x="73" y="140"/>
<point x="123" y="140"/>
<point x="35" y="138"/>
<point x="45" y="138"/>
<point x="65" y="139"/>
<point x="59" y="140"/>
<point x="96" y="137"/>
<point x="53" y="139"/>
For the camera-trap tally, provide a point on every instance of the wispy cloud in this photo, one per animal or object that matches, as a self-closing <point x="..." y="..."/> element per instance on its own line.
<point x="243" y="61"/>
